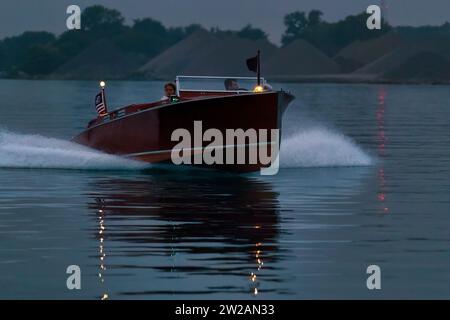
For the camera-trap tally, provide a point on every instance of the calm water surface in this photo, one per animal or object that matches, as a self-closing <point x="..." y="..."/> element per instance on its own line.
<point x="364" y="180"/>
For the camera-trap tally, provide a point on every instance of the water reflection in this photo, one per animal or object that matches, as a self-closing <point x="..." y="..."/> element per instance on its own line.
<point x="190" y="223"/>
<point x="102" y="253"/>
<point x="382" y="141"/>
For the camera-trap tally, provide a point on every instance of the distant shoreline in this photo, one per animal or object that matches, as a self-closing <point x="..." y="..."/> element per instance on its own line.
<point x="352" y="79"/>
<point x="336" y="79"/>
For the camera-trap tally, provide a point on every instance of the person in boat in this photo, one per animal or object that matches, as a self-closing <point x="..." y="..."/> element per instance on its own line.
<point x="169" y="90"/>
<point x="232" y="85"/>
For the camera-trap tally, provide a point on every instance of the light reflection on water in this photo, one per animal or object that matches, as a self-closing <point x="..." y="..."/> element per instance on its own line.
<point x="228" y="229"/>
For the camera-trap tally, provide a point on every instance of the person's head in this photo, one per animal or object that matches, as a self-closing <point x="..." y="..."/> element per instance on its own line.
<point x="170" y="89"/>
<point x="231" y="84"/>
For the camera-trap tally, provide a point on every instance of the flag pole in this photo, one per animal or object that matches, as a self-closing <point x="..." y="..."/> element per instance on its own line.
<point x="103" y="85"/>
<point x="104" y="98"/>
<point x="259" y="67"/>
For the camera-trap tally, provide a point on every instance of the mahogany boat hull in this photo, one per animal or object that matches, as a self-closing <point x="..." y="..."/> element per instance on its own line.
<point x="146" y="135"/>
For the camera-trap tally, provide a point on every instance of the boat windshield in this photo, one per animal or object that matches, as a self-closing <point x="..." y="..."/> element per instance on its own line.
<point x="217" y="84"/>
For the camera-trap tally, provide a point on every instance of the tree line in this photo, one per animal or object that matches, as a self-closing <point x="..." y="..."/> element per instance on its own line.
<point x="40" y="53"/>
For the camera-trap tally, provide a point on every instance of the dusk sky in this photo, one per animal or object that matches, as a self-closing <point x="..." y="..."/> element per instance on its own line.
<point x="17" y="16"/>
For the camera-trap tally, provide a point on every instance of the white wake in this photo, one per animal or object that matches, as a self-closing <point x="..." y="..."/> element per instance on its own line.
<point x="36" y="151"/>
<point x="321" y="147"/>
<point x="315" y="147"/>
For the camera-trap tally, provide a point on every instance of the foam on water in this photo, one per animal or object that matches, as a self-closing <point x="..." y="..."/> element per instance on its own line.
<point x="35" y="151"/>
<point x="321" y="147"/>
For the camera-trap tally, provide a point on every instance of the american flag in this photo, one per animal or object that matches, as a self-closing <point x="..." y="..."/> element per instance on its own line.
<point x="100" y="105"/>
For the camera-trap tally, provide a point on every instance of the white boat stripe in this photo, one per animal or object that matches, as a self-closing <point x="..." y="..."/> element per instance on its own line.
<point x="197" y="149"/>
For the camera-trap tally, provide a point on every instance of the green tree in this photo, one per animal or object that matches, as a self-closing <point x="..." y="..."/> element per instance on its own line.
<point x="101" y="19"/>
<point x="147" y="37"/>
<point x="192" y="28"/>
<point x="354" y="28"/>
<point x="41" y="60"/>
<point x="148" y="25"/>
<point x="2" y="57"/>
<point x="314" y="18"/>
<point x="176" y="34"/>
<point x="328" y="37"/>
<point x="248" y="32"/>
<point x="295" y="23"/>
<point x="72" y="42"/>
<point x="15" y="48"/>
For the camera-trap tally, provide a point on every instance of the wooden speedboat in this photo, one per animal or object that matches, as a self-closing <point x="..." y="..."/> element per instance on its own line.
<point x="144" y="131"/>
